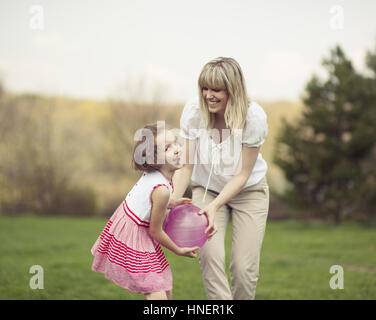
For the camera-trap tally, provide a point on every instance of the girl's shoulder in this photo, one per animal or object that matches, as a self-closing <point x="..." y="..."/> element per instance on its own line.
<point x="154" y="179"/>
<point x="145" y="186"/>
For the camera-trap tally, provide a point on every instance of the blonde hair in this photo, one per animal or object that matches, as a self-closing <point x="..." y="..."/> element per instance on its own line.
<point x="225" y="73"/>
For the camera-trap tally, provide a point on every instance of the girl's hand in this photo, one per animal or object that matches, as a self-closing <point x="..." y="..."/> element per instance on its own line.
<point x="210" y="212"/>
<point x="173" y="203"/>
<point x="188" y="252"/>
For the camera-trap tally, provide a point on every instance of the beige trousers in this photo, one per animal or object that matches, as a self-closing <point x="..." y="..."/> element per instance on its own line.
<point x="248" y="211"/>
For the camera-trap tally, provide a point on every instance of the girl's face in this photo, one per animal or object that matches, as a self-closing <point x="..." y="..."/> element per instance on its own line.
<point x="216" y="99"/>
<point x="171" y="149"/>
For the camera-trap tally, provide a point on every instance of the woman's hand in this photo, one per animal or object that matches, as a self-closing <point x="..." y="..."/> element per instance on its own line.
<point x="210" y="212"/>
<point x="173" y="203"/>
<point x="188" y="252"/>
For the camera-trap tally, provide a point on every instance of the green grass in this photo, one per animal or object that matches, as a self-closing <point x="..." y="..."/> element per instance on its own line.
<point x="295" y="261"/>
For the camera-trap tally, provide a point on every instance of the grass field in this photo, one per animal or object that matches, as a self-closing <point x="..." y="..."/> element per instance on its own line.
<point x="295" y="261"/>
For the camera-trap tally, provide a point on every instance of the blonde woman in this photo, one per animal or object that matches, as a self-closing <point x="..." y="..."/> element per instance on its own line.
<point x="223" y="132"/>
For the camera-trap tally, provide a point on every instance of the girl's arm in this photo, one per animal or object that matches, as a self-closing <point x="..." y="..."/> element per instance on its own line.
<point x="233" y="187"/>
<point x="160" y="198"/>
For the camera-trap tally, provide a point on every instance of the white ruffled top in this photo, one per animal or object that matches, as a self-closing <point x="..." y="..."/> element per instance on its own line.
<point x="215" y="164"/>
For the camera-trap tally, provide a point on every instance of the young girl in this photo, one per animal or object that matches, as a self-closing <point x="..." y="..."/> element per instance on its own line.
<point x="128" y="250"/>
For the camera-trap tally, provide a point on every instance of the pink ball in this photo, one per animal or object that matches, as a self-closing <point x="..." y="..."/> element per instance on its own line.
<point x="185" y="227"/>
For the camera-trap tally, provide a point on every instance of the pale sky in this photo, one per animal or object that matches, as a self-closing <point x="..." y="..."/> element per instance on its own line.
<point x="91" y="49"/>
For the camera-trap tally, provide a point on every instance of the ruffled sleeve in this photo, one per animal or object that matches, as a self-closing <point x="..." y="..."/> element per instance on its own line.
<point x="256" y="126"/>
<point x="190" y="120"/>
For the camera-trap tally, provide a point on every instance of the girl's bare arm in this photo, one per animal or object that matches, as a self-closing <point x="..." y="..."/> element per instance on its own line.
<point x="160" y="198"/>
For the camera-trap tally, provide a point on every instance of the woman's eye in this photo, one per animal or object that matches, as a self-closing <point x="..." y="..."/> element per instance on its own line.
<point x="215" y="90"/>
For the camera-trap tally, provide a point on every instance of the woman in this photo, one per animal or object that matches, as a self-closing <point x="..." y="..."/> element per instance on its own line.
<point x="223" y="133"/>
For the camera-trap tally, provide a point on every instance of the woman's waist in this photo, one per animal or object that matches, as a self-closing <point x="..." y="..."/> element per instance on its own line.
<point x="200" y="176"/>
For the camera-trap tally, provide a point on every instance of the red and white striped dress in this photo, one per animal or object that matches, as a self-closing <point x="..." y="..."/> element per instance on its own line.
<point x="124" y="251"/>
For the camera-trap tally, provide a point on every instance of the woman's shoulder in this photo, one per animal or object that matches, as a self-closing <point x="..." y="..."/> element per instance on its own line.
<point x="191" y="118"/>
<point x="191" y="109"/>
<point x="193" y="103"/>
<point x="256" y="127"/>
<point x="255" y="111"/>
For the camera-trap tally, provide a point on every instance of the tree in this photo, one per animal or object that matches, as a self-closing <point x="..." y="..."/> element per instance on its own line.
<point x="329" y="155"/>
<point x="36" y="167"/>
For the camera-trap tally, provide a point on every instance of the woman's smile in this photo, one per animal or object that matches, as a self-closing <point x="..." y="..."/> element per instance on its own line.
<point x="216" y="99"/>
<point x="213" y="103"/>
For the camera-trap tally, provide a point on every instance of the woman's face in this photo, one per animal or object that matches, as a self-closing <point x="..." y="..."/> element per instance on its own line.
<point x="216" y="99"/>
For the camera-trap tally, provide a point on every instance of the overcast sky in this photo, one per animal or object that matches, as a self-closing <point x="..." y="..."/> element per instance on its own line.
<point x="90" y="49"/>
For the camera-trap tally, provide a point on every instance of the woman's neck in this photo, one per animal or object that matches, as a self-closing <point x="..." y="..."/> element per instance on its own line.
<point x="220" y="124"/>
<point x="220" y="117"/>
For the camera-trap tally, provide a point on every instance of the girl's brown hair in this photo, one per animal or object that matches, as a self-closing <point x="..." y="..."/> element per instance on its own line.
<point x="145" y="150"/>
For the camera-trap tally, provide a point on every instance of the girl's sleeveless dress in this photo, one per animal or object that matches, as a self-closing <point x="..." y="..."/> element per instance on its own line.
<point x="124" y="251"/>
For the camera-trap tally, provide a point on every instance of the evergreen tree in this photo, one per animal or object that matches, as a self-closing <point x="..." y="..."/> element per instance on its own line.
<point x="329" y="155"/>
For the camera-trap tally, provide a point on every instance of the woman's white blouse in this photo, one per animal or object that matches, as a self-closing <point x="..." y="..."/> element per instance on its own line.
<point x="215" y="164"/>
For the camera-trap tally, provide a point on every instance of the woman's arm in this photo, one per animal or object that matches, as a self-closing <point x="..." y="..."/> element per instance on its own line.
<point x="237" y="182"/>
<point x="181" y="180"/>
<point x="160" y="198"/>
<point x="182" y="177"/>
<point x="234" y="186"/>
